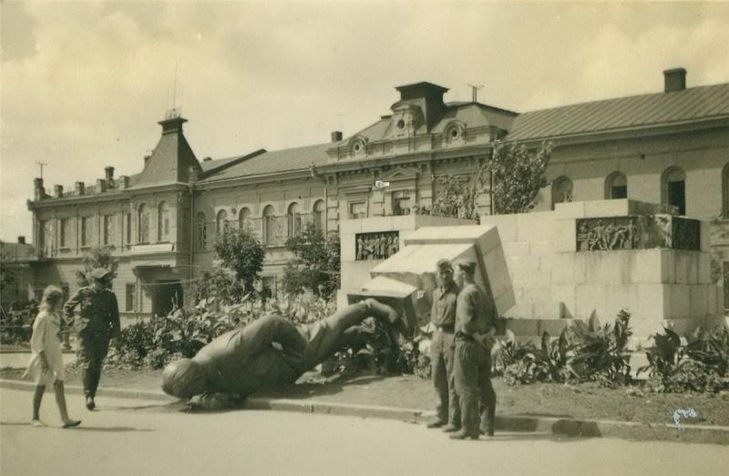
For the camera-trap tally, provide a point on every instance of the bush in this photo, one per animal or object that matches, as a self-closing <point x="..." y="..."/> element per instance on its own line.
<point x="698" y="365"/>
<point x="583" y="352"/>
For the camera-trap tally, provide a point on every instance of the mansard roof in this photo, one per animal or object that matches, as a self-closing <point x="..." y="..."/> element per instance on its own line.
<point x="647" y="110"/>
<point x="171" y="159"/>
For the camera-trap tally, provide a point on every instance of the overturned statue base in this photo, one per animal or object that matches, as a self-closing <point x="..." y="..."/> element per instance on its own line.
<point x="268" y="353"/>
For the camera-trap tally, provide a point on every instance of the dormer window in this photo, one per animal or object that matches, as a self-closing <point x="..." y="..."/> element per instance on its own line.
<point x="357" y="146"/>
<point x="455" y="131"/>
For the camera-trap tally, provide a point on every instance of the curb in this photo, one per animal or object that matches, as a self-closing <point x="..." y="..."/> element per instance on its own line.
<point x="558" y="426"/>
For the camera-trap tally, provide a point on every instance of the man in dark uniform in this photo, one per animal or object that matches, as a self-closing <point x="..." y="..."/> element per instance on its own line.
<point x="269" y="352"/>
<point x="443" y="318"/>
<point x="475" y="326"/>
<point x="98" y="322"/>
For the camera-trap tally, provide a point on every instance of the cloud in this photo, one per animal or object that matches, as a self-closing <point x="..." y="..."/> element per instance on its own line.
<point x="84" y="83"/>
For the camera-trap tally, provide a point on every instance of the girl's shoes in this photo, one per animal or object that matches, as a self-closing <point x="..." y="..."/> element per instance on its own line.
<point x="37" y="424"/>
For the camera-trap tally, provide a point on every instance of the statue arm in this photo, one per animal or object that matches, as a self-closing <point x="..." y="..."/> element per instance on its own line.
<point x="261" y="334"/>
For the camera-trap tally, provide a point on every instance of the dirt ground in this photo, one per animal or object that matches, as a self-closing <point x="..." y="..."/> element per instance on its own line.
<point x="583" y="401"/>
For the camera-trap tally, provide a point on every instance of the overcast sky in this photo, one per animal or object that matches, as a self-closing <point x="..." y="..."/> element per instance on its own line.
<point x="83" y="84"/>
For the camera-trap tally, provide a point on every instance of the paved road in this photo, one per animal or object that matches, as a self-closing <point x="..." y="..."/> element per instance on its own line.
<point x="129" y="437"/>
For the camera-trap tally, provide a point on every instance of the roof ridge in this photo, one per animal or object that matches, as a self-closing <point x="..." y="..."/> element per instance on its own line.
<point x="633" y="96"/>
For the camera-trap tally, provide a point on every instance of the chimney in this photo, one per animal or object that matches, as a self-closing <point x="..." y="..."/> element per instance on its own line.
<point x="21" y="240"/>
<point x="38" y="189"/>
<point x="100" y="185"/>
<point x="336" y="136"/>
<point x="58" y="191"/>
<point x="674" y="80"/>
<point x="123" y="182"/>
<point x="109" y="173"/>
<point x="80" y="188"/>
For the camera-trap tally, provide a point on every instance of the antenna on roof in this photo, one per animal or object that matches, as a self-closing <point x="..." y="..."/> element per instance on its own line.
<point x="474" y="91"/>
<point x="173" y="113"/>
<point x="41" y="165"/>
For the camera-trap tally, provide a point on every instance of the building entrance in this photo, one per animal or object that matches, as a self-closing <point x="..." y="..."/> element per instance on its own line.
<point x="167" y="296"/>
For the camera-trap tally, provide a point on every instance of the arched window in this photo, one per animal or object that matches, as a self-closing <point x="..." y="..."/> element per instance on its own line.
<point x="616" y="186"/>
<point x="725" y="192"/>
<point x="268" y="225"/>
<point x="201" y="230"/>
<point x="143" y="223"/>
<point x="319" y="215"/>
<point x="294" y="220"/>
<point x="561" y="190"/>
<point x="221" y="222"/>
<point x="673" y="188"/>
<point x="244" y="219"/>
<point x="163" y="222"/>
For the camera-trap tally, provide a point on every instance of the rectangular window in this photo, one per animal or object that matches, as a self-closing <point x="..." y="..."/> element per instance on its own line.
<point x="85" y="231"/>
<point x="66" y="233"/>
<point x="357" y="210"/>
<point x="108" y="229"/>
<point x="42" y="226"/>
<point x="130" y="297"/>
<point x="127" y="228"/>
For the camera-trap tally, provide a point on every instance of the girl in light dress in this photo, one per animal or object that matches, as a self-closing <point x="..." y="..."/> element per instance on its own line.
<point x="46" y="362"/>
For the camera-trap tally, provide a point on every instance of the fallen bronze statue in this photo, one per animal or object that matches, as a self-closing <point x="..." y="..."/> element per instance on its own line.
<point x="269" y="352"/>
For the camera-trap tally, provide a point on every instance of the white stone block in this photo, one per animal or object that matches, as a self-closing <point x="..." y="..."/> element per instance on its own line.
<point x="524" y="262"/>
<point x="654" y="300"/>
<point x="650" y="266"/>
<point x="606" y="267"/>
<point x="540" y="248"/>
<point x="589" y="299"/>
<point x="516" y="248"/>
<point x="681" y="267"/>
<point x="521" y="310"/>
<point x="680" y="302"/>
<point x="621" y="296"/>
<point x="699" y="301"/>
<point x="527" y="277"/>
<point x="534" y="226"/>
<point x="347" y="248"/>
<point x="692" y="273"/>
<point x="570" y="210"/>
<point x="506" y="224"/>
<point x="564" y="236"/>
<point x="704" y="271"/>
<point x="546" y="309"/>
<point x="563" y="268"/>
<point x="536" y="293"/>
<point x="565" y="295"/>
<point x="350" y="227"/>
<point x="375" y="224"/>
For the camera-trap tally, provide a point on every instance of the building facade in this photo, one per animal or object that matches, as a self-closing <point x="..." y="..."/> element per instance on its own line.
<point x="671" y="147"/>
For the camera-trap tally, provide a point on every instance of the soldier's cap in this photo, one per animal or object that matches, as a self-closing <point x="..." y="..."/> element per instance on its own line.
<point x="99" y="274"/>
<point x="467" y="266"/>
<point x="444" y="264"/>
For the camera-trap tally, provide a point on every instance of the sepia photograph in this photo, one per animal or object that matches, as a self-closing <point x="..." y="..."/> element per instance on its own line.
<point x="364" y="237"/>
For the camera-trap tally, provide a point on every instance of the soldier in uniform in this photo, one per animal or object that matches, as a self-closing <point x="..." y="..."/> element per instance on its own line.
<point x="98" y="322"/>
<point x="475" y="327"/>
<point x="443" y="318"/>
<point x="270" y="352"/>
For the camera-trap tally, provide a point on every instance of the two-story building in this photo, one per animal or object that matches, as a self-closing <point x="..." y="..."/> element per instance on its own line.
<point x="669" y="147"/>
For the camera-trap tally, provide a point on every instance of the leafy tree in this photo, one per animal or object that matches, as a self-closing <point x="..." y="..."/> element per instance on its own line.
<point x="316" y="263"/>
<point x="96" y="258"/>
<point x="242" y="252"/>
<point x="518" y="175"/>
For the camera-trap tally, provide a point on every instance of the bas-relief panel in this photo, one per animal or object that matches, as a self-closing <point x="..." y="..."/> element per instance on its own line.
<point x="380" y="245"/>
<point x="638" y="232"/>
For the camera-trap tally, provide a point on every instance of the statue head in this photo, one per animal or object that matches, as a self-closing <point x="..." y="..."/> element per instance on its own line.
<point x="183" y="378"/>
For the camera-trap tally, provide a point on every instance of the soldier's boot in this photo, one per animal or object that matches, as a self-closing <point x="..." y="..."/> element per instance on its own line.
<point x="451" y="427"/>
<point x="469" y="420"/>
<point x="437" y="423"/>
<point x="489" y="422"/>
<point x="87" y="379"/>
